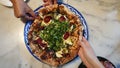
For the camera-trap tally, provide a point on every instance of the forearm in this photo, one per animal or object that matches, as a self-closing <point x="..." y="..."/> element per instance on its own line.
<point x="93" y="62"/>
<point x="97" y="64"/>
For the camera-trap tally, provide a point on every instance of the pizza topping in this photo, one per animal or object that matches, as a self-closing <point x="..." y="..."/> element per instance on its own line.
<point x="53" y="34"/>
<point x="41" y="16"/>
<point x="40" y="43"/>
<point x="65" y="50"/>
<point x="46" y="24"/>
<point x="57" y="16"/>
<point x="62" y="18"/>
<point x="47" y="19"/>
<point x="66" y="35"/>
<point x="36" y="20"/>
<point x="51" y="52"/>
<point x="56" y="34"/>
<point x="68" y="41"/>
<point x="59" y="54"/>
<point x="43" y="45"/>
<point x="71" y="28"/>
<point x="42" y="27"/>
<point x="36" y="27"/>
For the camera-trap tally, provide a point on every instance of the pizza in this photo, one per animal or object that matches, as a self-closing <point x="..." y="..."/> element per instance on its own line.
<point x="54" y="34"/>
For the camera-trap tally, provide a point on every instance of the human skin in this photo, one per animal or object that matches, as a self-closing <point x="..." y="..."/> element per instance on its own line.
<point x="22" y="10"/>
<point x="87" y="55"/>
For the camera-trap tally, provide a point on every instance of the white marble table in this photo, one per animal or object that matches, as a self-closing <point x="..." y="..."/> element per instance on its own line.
<point x="103" y="19"/>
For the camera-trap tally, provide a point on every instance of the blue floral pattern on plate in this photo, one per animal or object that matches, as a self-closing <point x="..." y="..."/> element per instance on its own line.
<point x="28" y="24"/>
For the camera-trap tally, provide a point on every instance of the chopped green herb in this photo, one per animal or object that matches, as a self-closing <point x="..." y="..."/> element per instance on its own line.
<point x="53" y="34"/>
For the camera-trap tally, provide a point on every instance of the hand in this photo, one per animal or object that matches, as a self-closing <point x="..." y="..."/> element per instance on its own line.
<point x="49" y="2"/>
<point x="22" y="10"/>
<point x="87" y="55"/>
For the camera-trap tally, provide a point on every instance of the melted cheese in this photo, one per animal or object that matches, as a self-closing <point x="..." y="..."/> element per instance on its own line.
<point x="62" y="51"/>
<point x="59" y="53"/>
<point x="36" y="20"/>
<point x="41" y="16"/>
<point x="65" y="50"/>
<point x="71" y="28"/>
<point x="58" y="16"/>
<point x="68" y="41"/>
<point x="45" y="24"/>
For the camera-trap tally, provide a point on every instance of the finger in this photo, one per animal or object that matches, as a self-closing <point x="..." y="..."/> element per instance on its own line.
<point x="80" y="52"/>
<point x="83" y="38"/>
<point x="46" y="4"/>
<point x="31" y="12"/>
<point x="83" y="57"/>
<point x="28" y="17"/>
<point x="85" y="41"/>
<point x="81" y="42"/>
<point x="53" y="1"/>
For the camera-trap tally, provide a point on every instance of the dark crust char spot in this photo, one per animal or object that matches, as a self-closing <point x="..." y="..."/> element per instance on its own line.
<point x="58" y="60"/>
<point x="43" y="57"/>
<point x="34" y="42"/>
<point x="44" y="11"/>
<point x="66" y="55"/>
<point x="36" y="27"/>
<point x="50" y="53"/>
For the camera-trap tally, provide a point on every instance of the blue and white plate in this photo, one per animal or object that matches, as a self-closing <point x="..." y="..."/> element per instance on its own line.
<point x="75" y="11"/>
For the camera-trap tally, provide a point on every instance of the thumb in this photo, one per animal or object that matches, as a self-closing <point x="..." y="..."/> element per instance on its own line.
<point x="85" y="41"/>
<point x="81" y="42"/>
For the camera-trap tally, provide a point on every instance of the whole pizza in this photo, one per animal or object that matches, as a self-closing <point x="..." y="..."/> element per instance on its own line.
<point x="54" y="34"/>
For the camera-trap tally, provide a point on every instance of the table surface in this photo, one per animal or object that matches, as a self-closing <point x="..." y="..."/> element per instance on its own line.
<point x="103" y="19"/>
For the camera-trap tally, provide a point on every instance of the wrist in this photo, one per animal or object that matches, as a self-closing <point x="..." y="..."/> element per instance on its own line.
<point x="98" y="64"/>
